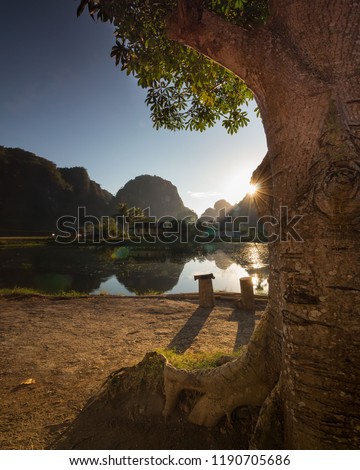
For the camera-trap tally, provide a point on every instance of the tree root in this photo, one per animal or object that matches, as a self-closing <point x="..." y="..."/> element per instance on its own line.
<point x="128" y="411"/>
<point x="244" y="381"/>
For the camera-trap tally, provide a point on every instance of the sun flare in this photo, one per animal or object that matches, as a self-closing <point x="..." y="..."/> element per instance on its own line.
<point x="252" y="189"/>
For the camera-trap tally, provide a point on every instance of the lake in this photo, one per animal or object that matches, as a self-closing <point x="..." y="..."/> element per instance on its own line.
<point x="132" y="271"/>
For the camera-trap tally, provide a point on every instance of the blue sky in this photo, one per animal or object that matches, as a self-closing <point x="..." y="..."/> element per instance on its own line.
<point x="62" y="97"/>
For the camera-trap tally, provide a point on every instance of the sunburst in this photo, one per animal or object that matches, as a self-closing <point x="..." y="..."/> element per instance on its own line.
<point x="252" y="190"/>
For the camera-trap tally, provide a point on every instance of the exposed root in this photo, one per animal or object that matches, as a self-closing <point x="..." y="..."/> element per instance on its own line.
<point x="127" y="414"/>
<point x="244" y="381"/>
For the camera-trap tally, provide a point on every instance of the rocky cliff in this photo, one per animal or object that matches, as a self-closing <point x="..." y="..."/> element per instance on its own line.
<point x="34" y="193"/>
<point x="157" y="193"/>
<point x="246" y="207"/>
<point x="216" y="211"/>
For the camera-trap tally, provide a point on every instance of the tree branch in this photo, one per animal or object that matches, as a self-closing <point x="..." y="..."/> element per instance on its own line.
<point x="234" y="47"/>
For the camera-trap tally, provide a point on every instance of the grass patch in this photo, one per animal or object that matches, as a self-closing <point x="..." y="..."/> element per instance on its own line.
<point x="147" y="292"/>
<point x="24" y="242"/>
<point x="194" y="361"/>
<point x="29" y="291"/>
<point x="151" y="292"/>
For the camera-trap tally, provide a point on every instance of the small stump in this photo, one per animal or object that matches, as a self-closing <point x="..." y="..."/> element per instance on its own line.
<point x="206" y="293"/>
<point x="247" y="293"/>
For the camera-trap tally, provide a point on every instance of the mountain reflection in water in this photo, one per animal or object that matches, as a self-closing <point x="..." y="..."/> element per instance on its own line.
<point x="127" y="271"/>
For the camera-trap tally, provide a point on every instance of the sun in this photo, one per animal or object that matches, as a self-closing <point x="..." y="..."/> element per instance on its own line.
<point x="252" y="190"/>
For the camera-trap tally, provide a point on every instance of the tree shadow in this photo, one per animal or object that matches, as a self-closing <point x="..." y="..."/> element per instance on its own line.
<point x="246" y="324"/>
<point x="185" y="337"/>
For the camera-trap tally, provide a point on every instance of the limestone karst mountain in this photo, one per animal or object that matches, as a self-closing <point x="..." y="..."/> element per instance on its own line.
<point x="160" y="195"/>
<point x="219" y="206"/>
<point x="34" y="193"/>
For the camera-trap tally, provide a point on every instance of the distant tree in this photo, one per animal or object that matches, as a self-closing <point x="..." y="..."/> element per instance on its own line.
<point x="121" y="209"/>
<point x="301" y="62"/>
<point x="129" y="216"/>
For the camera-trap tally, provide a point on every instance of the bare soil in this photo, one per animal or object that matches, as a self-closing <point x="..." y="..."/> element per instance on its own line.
<point x="69" y="346"/>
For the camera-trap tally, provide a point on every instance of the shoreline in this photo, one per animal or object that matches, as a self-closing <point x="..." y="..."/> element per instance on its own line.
<point x="182" y="295"/>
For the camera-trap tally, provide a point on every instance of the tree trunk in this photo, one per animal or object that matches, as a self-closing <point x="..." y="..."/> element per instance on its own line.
<point x="303" y="361"/>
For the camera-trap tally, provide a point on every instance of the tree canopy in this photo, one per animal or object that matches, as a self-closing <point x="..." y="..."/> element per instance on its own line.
<point x="185" y="90"/>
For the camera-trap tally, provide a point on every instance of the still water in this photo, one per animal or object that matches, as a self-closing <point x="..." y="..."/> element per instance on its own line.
<point x="127" y="271"/>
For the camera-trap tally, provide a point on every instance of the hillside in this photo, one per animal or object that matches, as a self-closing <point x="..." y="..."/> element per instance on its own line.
<point x="246" y="207"/>
<point x="157" y="193"/>
<point x="34" y="193"/>
<point x="241" y="218"/>
<point x="219" y="206"/>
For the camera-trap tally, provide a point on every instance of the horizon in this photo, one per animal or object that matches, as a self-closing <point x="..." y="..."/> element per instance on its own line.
<point x="249" y="192"/>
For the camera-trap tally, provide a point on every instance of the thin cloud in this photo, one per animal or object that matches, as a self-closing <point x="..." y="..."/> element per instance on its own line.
<point x="203" y="195"/>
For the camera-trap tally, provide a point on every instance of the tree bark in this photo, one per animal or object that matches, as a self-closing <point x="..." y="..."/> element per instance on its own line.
<point x="304" y="359"/>
<point x="235" y="48"/>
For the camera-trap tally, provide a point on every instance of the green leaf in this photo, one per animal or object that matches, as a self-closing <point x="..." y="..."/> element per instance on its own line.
<point x="185" y="90"/>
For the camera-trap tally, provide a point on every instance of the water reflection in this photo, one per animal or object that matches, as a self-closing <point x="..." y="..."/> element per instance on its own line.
<point x="53" y="269"/>
<point x="96" y="270"/>
<point x="150" y="276"/>
<point x="222" y="260"/>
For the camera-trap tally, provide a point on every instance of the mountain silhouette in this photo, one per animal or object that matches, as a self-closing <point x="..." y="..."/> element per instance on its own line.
<point x="160" y="195"/>
<point x="34" y="193"/>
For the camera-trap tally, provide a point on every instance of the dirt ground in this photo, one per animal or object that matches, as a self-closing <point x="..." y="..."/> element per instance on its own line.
<point x="65" y="348"/>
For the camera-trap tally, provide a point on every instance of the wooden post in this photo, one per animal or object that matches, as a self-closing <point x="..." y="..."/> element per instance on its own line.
<point x="206" y="293"/>
<point x="247" y="293"/>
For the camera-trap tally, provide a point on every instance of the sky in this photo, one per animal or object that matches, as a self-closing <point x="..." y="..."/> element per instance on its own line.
<point x="62" y="98"/>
